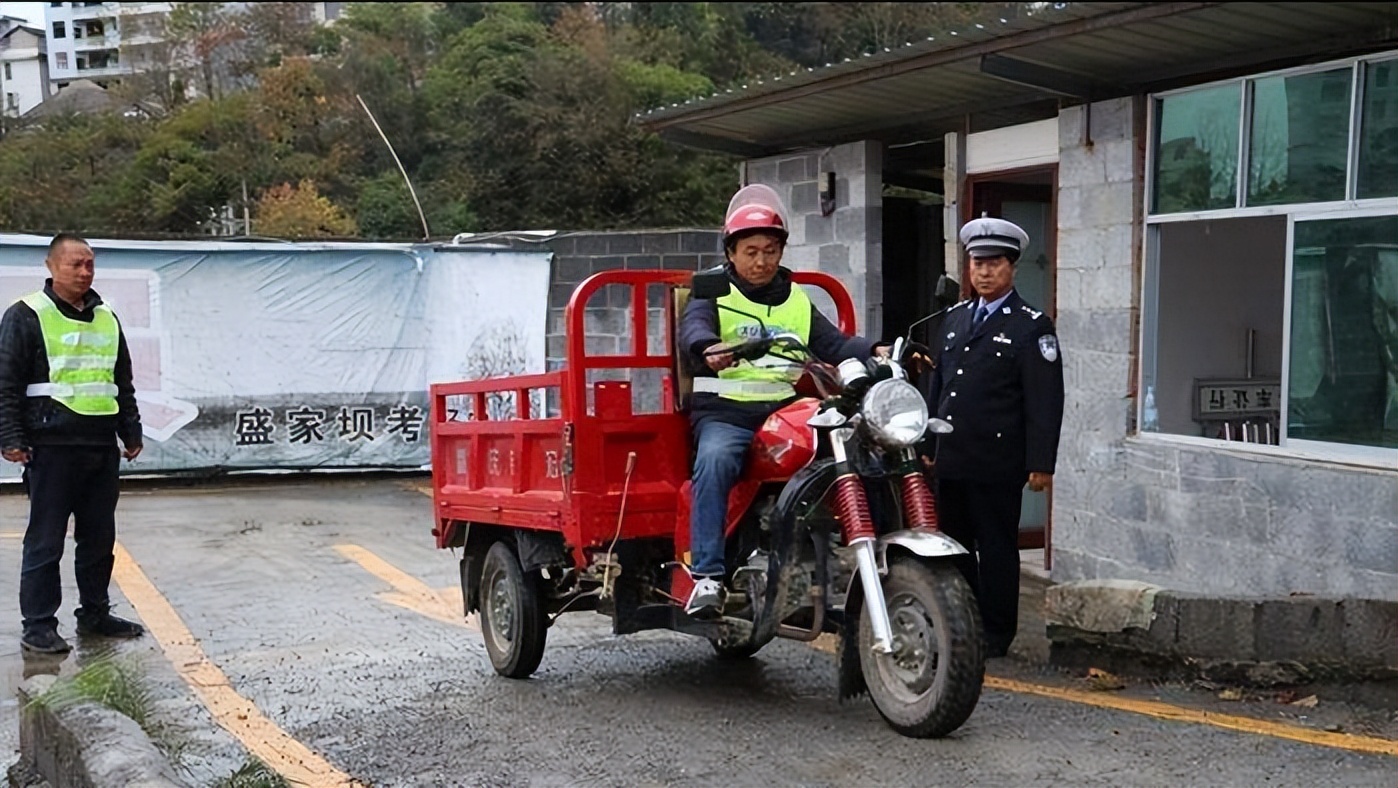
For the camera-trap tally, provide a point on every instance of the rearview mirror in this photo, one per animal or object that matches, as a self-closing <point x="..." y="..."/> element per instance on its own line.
<point x="938" y="426"/>
<point x="711" y="283"/>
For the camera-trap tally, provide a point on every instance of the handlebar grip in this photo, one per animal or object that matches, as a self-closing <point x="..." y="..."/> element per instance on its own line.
<point x="752" y="349"/>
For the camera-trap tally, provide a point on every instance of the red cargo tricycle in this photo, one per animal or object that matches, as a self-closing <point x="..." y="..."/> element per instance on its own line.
<point x="569" y="491"/>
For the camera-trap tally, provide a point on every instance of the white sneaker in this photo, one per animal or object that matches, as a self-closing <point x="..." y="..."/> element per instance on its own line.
<point x="706" y="600"/>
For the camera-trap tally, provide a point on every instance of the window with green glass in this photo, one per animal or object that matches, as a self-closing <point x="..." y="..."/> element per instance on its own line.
<point x="1343" y="385"/>
<point x="1378" y="136"/>
<point x="1298" y="150"/>
<point x="1196" y="154"/>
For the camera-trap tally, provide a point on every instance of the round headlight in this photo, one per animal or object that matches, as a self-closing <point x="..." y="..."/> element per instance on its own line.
<point x="895" y="412"/>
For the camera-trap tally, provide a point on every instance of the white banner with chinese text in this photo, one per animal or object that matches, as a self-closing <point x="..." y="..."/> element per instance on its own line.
<point x="287" y="356"/>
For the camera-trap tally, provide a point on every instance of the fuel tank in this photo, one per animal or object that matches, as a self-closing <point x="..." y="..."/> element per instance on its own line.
<point x="784" y="445"/>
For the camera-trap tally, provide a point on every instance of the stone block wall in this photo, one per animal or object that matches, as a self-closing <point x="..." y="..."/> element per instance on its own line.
<point x="1207" y="520"/>
<point x="1096" y="310"/>
<point x="608" y="317"/>
<point x="848" y="243"/>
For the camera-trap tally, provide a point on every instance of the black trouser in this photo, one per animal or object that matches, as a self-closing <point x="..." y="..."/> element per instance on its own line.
<point x="64" y="481"/>
<point x="984" y="518"/>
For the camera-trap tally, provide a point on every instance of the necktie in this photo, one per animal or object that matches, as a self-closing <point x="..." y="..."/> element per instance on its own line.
<point x="981" y="314"/>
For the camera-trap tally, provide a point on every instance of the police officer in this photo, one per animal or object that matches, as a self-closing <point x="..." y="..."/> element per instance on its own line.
<point x="999" y="382"/>
<point x="732" y="399"/>
<point x="66" y="395"/>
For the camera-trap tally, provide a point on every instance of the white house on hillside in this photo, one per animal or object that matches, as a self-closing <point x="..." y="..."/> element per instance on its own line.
<point x="86" y="41"/>
<point x="102" y="42"/>
<point x="24" y="69"/>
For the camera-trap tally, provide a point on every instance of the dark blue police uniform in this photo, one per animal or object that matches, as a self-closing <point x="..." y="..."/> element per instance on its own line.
<point x="1000" y="386"/>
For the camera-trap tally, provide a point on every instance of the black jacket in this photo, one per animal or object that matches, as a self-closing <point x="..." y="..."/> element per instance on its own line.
<point x="26" y="421"/>
<point x="1002" y="390"/>
<point x="699" y="330"/>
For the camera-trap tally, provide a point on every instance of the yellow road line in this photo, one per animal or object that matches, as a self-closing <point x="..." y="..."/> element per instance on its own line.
<point x="238" y="715"/>
<point x="1165" y="711"/>
<point x="408" y="592"/>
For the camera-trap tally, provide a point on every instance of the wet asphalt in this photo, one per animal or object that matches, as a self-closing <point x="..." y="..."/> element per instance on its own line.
<point x="396" y="698"/>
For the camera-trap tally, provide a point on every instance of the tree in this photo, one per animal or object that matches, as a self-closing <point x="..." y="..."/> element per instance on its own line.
<point x="541" y="132"/>
<point x="207" y="37"/>
<point x="276" y="31"/>
<point x="385" y="209"/>
<point x="287" y="211"/>
<point x="155" y="58"/>
<point x="505" y="115"/>
<point x="54" y="180"/>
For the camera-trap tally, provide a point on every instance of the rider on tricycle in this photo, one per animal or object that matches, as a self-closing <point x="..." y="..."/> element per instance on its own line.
<point x="732" y="398"/>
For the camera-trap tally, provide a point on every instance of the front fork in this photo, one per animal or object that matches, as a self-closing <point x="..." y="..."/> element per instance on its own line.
<point x="857" y="526"/>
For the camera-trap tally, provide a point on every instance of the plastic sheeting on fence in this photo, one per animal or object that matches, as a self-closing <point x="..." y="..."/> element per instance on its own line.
<point x="309" y="355"/>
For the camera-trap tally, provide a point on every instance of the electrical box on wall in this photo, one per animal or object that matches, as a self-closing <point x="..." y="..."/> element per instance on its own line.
<point x="827" y="193"/>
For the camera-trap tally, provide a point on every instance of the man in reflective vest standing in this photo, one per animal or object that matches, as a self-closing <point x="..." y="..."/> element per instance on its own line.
<point x="66" y="395"/>
<point x="732" y="399"/>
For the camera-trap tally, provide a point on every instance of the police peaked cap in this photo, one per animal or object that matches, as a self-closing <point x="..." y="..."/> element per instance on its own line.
<point x="993" y="237"/>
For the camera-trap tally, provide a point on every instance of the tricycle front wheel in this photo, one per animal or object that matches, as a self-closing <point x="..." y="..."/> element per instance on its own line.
<point x="931" y="682"/>
<point x="513" y="620"/>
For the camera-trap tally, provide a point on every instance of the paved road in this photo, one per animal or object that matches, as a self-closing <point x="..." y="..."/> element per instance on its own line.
<point x="289" y="590"/>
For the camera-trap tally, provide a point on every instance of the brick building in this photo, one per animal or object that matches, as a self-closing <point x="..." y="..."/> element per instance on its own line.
<point x="1213" y="189"/>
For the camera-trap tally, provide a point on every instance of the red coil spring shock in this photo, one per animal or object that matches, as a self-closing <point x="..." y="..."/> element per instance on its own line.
<point x="853" y="509"/>
<point x="919" y="508"/>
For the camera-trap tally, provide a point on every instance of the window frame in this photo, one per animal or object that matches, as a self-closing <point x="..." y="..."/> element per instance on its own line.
<point x="1356" y="73"/>
<point x="1377" y="454"/>
<point x="1357" y="66"/>
<point x="1349" y="207"/>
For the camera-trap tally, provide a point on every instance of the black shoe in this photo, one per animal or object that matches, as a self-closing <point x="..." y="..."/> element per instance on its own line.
<point x="44" y="641"/>
<point x="106" y="625"/>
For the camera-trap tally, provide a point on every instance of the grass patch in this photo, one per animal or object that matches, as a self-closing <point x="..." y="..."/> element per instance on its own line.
<point x="111" y="681"/>
<point x="253" y="774"/>
<point x="119" y="683"/>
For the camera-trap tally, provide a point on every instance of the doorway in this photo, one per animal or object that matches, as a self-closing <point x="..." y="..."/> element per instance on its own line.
<point x="1025" y="197"/>
<point x="913" y="250"/>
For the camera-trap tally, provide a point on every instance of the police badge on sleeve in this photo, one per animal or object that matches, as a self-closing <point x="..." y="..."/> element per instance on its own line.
<point x="1048" y="347"/>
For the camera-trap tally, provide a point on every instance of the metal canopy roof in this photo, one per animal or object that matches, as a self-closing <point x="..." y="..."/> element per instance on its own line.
<point x="1081" y="51"/>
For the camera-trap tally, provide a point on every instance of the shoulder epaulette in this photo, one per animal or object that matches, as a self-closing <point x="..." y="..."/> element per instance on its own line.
<point x="1034" y="314"/>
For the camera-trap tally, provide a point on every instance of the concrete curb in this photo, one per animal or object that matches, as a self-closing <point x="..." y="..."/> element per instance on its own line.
<point x="1262" y="642"/>
<point x="84" y="745"/>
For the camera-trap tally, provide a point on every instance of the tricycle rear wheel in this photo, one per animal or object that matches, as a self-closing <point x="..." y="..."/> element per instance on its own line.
<point x="513" y="621"/>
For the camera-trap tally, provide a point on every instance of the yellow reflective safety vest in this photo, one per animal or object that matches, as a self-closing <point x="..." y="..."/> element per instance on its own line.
<point x="82" y="358"/>
<point x="768" y="379"/>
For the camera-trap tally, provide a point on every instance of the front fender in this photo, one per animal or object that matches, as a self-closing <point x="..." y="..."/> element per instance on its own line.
<point x="920" y="542"/>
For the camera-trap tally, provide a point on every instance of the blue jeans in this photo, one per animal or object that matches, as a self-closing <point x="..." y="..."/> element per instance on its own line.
<point x="718" y="461"/>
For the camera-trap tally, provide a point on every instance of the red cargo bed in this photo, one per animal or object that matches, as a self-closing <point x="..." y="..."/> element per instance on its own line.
<point x="566" y="472"/>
